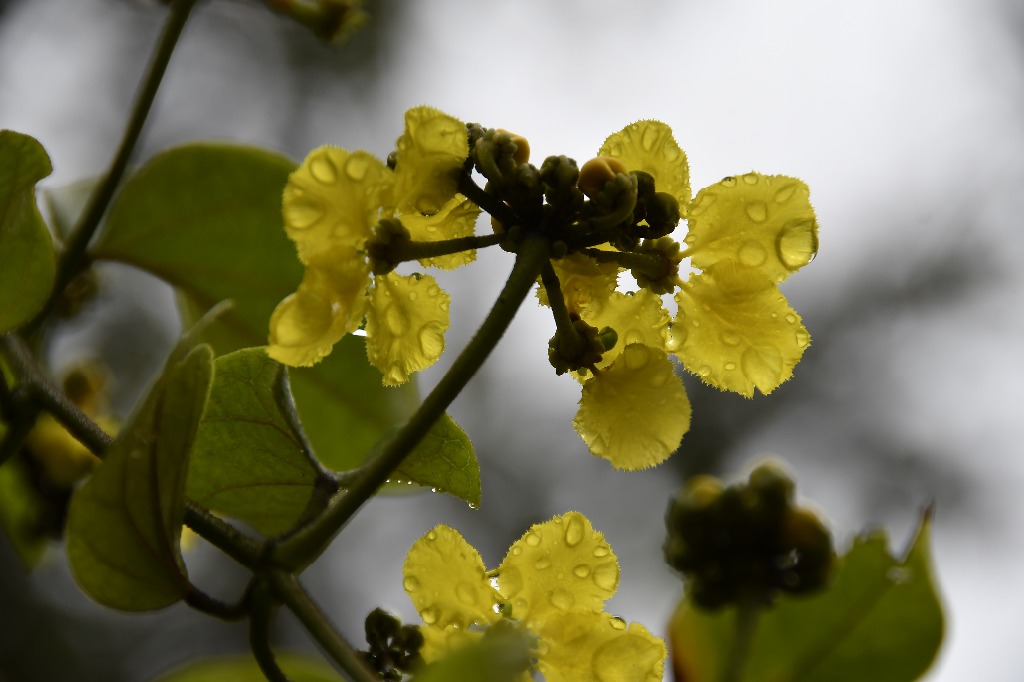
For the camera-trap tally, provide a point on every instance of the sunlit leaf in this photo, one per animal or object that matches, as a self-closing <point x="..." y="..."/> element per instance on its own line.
<point x="299" y="668"/>
<point x="445" y="461"/>
<point x="27" y="260"/>
<point x="880" y="620"/>
<point x="124" y="523"/>
<point x="250" y="459"/>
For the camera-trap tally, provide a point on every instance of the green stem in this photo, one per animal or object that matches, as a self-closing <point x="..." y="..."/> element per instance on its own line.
<point x="747" y="613"/>
<point x="652" y="265"/>
<point x="488" y="202"/>
<point x="225" y="537"/>
<point x="571" y="342"/>
<point x="73" y="257"/>
<point x="302" y="548"/>
<point x="290" y="591"/>
<point x="414" y="250"/>
<point x="260" y="619"/>
<point x="204" y="603"/>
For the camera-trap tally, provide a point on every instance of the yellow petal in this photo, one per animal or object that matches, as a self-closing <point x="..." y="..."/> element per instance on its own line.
<point x="650" y="147"/>
<point x="586" y="284"/>
<point x="760" y="221"/>
<point x="329" y="303"/>
<point x="634" y="413"/>
<point x="736" y="331"/>
<point x="405" y="325"/>
<point x="581" y="647"/>
<point x="333" y="199"/>
<point x="457" y="218"/>
<point x="637" y="318"/>
<point x="558" y="566"/>
<point x="444" y="577"/>
<point x="430" y="157"/>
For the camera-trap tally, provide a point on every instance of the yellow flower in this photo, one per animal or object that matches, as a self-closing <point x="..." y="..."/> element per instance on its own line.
<point x="734" y="329"/>
<point x="332" y="203"/>
<point x="553" y="584"/>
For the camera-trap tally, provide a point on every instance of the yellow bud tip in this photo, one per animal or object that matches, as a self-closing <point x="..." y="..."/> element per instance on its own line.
<point x="596" y="172"/>
<point x="522" y="153"/>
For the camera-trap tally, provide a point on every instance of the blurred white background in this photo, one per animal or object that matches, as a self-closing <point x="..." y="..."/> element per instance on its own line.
<point x="903" y="116"/>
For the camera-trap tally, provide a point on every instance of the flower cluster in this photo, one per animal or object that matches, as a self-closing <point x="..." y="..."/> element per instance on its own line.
<point x="552" y="585"/>
<point x="354" y="218"/>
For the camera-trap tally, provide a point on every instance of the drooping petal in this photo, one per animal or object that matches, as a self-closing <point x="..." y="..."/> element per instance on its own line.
<point x="333" y="199"/>
<point x="558" y="566"/>
<point x="445" y="578"/>
<point x="634" y="413"/>
<point x="329" y="303"/>
<point x="581" y="647"/>
<point x="650" y="147"/>
<point x="638" y="317"/>
<point x="405" y="325"/>
<point x="457" y="218"/>
<point x="736" y="331"/>
<point x="760" y="221"/>
<point x="586" y="284"/>
<point x="431" y="152"/>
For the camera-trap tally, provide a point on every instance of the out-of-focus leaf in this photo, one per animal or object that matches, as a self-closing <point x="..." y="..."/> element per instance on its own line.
<point x="124" y="523"/>
<point x="19" y="512"/>
<point x="880" y="620"/>
<point x="250" y="459"/>
<point x="27" y="261"/>
<point x="299" y="668"/>
<point x="444" y="461"/>
<point x="502" y="658"/>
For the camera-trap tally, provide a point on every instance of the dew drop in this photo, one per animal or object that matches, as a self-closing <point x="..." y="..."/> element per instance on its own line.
<point x="632" y="336"/>
<point x="730" y="338"/>
<point x="413" y="295"/>
<point x="517" y="550"/>
<point x="520" y="603"/>
<point x="615" y="150"/>
<point x="752" y="254"/>
<point x="581" y="571"/>
<point x="797" y="244"/>
<point x="431" y="535"/>
<point x="411" y="584"/>
<point x="356" y="167"/>
<point x="606" y="576"/>
<point x="532" y="539"/>
<point x="618" y="623"/>
<point x="574" y="531"/>
<point x="728" y="181"/>
<point x="803" y="339"/>
<point x="785" y="193"/>
<point x="302" y="214"/>
<point x="679" y="334"/>
<point x="702" y="205"/>
<point x="430" y="615"/>
<point x="636" y="356"/>
<point x="730" y="366"/>
<point x="466" y="594"/>
<point x="791" y="318"/>
<point x="542" y="563"/>
<point x="750" y="178"/>
<point x="323" y="170"/>
<point x="704" y="371"/>
<point x="695" y="323"/>
<point x="562" y="599"/>
<point x="757" y="211"/>
<point x="397" y="322"/>
<point x="601" y="551"/>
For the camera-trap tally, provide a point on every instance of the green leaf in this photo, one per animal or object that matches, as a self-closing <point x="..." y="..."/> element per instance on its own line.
<point x="880" y="620"/>
<point x="344" y="408"/>
<point x="20" y="508"/>
<point x="299" y="668"/>
<point x="124" y="523"/>
<point x="250" y="459"/>
<point x="207" y="219"/>
<point x="445" y="461"/>
<point x="27" y="261"/>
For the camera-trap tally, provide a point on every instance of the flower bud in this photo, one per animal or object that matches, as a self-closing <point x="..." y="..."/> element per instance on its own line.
<point x="598" y="171"/>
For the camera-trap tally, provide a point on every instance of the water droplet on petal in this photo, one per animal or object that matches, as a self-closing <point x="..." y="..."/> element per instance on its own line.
<point x="562" y="599"/>
<point x="783" y="194"/>
<point x="728" y="181"/>
<point x="695" y="322"/>
<point x="730" y="366"/>
<point x="429" y="615"/>
<point x="636" y="356"/>
<point x="532" y="539"/>
<point x="413" y="295"/>
<point x="574" y="531"/>
<point x="791" y="318"/>
<point x="301" y="214"/>
<point x="601" y="551"/>
<point x="323" y="170"/>
<point x="797" y="244"/>
<point x="542" y="563"/>
<point x="618" y="624"/>
<point x="757" y="211"/>
<point x="581" y="571"/>
<point x="356" y="166"/>
<point x="516" y="551"/>
<point x="411" y="584"/>
<point x="396" y="321"/>
<point x="750" y="178"/>
<point x="752" y="254"/>
<point x="431" y="535"/>
<point x="704" y="371"/>
<point x="730" y="338"/>
<point x="803" y="339"/>
<point x="606" y="576"/>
